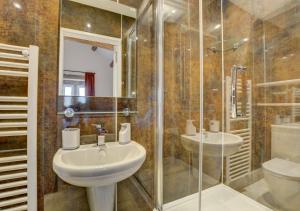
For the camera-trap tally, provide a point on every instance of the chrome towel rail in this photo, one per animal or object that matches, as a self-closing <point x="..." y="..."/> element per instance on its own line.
<point x="69" y="112"/>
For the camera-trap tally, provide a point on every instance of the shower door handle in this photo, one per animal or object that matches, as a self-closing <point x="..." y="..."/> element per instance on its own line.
<point x="234" y="92"/>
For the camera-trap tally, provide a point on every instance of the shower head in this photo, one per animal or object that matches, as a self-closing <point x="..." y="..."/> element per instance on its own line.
<point x="240" y="67"/>
<point x="94" y="48"/>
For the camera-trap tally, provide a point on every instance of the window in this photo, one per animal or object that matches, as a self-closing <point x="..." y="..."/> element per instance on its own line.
<point x="81" y="91"/>
<point x="68" y="90"/>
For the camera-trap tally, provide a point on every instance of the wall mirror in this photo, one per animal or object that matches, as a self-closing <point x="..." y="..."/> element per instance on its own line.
<point x="97" y="49"/>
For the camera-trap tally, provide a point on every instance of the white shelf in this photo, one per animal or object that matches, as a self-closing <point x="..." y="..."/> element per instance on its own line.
<point x="278" y="104"/>
<point x="278" y="83"/>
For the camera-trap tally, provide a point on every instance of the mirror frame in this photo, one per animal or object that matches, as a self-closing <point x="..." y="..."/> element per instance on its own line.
<point x="82" y="35"/>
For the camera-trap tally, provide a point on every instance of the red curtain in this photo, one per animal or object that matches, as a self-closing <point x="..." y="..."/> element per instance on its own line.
<point x="89" y="84"/>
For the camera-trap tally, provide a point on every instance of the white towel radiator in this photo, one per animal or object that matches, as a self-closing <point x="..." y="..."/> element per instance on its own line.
<point x="239" y="164"/>
<point x="18" y="115"/>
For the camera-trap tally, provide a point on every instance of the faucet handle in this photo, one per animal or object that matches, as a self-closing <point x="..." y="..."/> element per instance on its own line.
<point x="100" y="128"/>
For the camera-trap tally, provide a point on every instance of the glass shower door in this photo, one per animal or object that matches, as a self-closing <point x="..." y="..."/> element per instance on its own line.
<point x="250" y="89"/>
<point x="181" y="103"/>
<point x="270" y="49"/>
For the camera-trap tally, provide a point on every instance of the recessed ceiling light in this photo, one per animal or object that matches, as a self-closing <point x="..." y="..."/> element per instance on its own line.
<point x="245" y="39"/>
<point x="217" y="26"/>
<point x="173" y="11"/>
<point x="88" y="25"/>
<point x="17" y="5"/>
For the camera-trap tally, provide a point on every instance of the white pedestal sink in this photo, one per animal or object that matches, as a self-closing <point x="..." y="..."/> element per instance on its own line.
<point x="99" y="171"/>
<point x="215" y="147"/>
<point x="214" y="144"/>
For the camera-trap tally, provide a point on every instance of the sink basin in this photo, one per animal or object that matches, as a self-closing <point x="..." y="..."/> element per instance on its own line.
<point x="213" y="143"/>
<point x="99" y="170"/>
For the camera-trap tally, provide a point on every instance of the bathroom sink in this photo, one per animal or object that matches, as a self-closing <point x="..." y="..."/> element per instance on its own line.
<point x="213" y="143"/>
<point x="99" y="170"/>
<point x="88" y="166"/>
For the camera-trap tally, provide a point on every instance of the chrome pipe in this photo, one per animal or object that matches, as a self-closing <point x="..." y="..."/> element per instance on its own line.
<point x="234" y="73"/>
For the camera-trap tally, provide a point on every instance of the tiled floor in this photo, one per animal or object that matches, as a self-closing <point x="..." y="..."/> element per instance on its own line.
<point x="260" y="192"/>
<point x="217" y="198"/>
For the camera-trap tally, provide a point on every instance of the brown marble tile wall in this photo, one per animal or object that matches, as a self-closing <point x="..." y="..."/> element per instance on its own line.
<point x="48" y="42"/>
<point x="143" y="130"/>
<point x="131" y="3"/>
<point x="128" y="28"/>
<point x="238" y="25"/>
<point x="105" y="23"/>
<point x="213" y="86"/>
<point x="271" y="54"/>
<point x="181" y="97"/>
<point x="17" y="27"/>
<point x="102" y="22"/>
<point x="282" y="55"/>
<point x="36" y="22"/>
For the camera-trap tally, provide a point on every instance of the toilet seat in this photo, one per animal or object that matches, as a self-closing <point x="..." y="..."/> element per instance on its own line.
<point x="284" y="168"/>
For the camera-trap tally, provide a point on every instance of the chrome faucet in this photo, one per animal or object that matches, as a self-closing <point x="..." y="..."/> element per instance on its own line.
<point x="100" y="132"/>
<point x="234" y="70"/>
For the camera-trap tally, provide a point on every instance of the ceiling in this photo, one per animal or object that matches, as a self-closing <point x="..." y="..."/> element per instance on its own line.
<point x="265" y="9"/>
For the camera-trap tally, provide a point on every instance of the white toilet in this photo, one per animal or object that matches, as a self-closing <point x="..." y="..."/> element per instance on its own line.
<point x="282" y="172"/>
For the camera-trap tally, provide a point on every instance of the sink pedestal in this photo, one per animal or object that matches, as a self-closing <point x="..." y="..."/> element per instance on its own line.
<point x="101" y="198"/>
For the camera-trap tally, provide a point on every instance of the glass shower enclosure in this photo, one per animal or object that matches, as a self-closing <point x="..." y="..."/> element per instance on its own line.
<point x="225" y="103"/>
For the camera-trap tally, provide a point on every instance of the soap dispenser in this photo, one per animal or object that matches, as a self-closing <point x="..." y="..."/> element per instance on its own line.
<point x="190" y="129"/>
<point x="125" y="133"/>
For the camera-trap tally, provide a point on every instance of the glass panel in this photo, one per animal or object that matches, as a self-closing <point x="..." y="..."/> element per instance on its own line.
<point x="143" y="130"/>
<point x="181" y="102"/>
<point x="266" y="42"/>
<point x="212" y="159"/>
